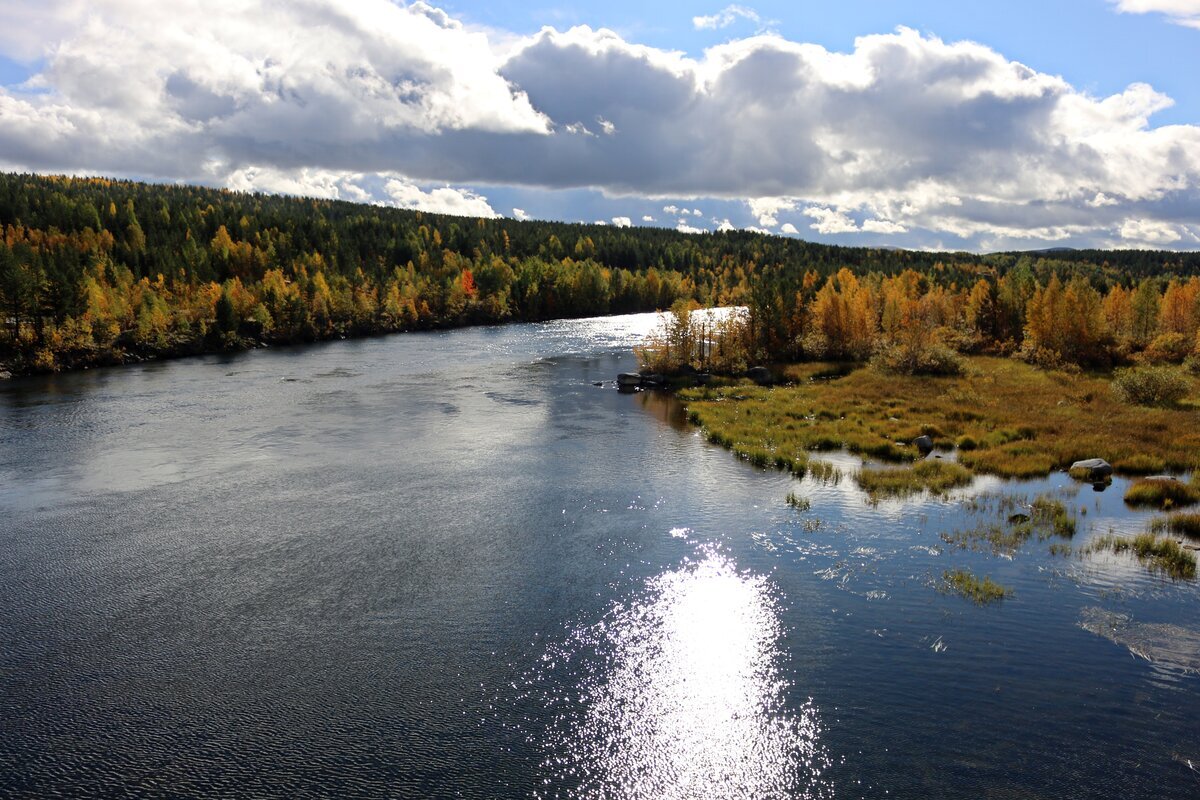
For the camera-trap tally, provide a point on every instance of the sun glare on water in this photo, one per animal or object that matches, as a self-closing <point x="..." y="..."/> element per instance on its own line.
<point x="686" y="698"/>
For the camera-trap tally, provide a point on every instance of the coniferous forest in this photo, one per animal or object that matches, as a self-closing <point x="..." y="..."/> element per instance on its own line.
<point x="98" y="271"/>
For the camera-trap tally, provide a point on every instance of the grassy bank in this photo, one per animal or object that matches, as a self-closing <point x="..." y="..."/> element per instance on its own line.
<point x="1006" y="417"/>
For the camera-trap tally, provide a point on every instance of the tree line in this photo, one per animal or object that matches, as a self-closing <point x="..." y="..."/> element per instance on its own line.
<point x="95" y="271"/>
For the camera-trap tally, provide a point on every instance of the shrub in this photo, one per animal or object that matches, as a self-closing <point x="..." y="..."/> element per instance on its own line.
<point x="1151" y="386"/>
<point x="933" y="359"/>
<point x="1167" y="348"/>
<point x="967" y="443"/>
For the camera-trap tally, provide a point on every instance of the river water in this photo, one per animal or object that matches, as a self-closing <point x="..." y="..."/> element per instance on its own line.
<point x="448" y="565"/>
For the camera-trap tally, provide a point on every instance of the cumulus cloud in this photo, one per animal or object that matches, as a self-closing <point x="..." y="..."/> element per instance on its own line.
<point x="766" y="209"/>
<point x="683" y="226"/>
<point x="788" y="228"/>
<point x="1181" y="12"/>
<point x="445" y="200"/>
<point x="829" y="220"/>
<point x="647" y="218"/>
<point x="519" y="213"/>
<point x="622" y="222"/>
<point x="726" y="17"/>
<point x="905" y="131"/>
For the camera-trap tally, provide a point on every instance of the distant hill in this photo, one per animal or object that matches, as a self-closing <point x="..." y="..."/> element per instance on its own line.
<point x="93" y="269"/>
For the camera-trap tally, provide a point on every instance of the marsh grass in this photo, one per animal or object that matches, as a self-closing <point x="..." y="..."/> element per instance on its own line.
<point x="797" y="502"/>
<point x="979" y="590"/>
<point x="1162" y="492"/>
<point x="1048" y="518"/>
<point x="1023" y="420"/>
<point x="1181" y="524"/>
<point x="937" y="476"/>
<point x="1158" y="554"/>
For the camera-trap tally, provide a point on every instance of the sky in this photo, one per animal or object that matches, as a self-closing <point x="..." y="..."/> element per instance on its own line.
<point x="929" y="125"/>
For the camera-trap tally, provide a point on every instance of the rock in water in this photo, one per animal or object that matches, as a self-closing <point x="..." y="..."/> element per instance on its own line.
<point x="924" y="444"/>
<point x="1091" y="469"/>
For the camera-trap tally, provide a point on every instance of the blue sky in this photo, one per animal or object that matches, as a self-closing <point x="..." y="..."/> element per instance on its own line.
<point x="1085" y="41"/>
<point x="869" y="122"/>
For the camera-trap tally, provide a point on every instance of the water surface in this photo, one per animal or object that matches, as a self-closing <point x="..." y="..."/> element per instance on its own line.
<point x="447" y="564"/>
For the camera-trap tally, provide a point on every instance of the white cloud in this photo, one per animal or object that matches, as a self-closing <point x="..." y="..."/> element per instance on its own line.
<point x="1150" y="233"/>
<point x="647" y="218"/>
<point x="830" y="220"/>
<point x="882" y="226"/>
<point x="697" y="212"/>
<point x="906" y="131"/>
<point x="725" y="225"/>
<point x="445" y="200"/>
<point x="766" y="209"/>
<point x="520" y="213"/>
<point x="684" y="227"/>
<point x="788" y="227"/>
<point x="725" y="17"/>
<point x="622" y="222"/>
<point x="1181" y="12"/>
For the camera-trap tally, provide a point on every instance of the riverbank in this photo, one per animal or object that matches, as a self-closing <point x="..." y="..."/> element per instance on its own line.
<point x="1001" y="417"/>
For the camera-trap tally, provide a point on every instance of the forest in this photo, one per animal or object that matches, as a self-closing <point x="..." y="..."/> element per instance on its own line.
<point x="99" y="271"/>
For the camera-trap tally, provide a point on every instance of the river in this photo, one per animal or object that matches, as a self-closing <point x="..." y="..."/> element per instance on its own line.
<point x="448" y="565"/>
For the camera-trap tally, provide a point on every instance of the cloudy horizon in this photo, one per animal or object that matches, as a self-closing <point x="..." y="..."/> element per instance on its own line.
<point x="904" y="138"/>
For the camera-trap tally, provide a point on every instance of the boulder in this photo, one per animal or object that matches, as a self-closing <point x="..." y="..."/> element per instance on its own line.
<point x="760" y="375"/>
<point x="653" y="379"/>
<point x="924" y="444"/>
<point x="5" y="374"/>
<point x="703" y="378"/>
<point x="629" y="380"/>
<point x="1091" y="469"/>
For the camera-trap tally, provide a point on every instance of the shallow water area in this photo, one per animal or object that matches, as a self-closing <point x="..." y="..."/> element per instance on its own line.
<point x="448" y="564"/>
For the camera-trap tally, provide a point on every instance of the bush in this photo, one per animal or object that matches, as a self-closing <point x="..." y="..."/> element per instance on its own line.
<point x="1151" y="386"/>
<point x="1167" y="348"/>
<point x="934" y="359"/>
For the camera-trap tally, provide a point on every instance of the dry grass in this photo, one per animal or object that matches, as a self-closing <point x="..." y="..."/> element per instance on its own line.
<point x="936" y="476"/>
<point x="1024" y="421"/>
<point x="1182" y="524"/>
<point x="1161" y="493"/>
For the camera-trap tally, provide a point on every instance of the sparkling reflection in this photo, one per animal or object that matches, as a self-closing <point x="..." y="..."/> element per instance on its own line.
<point x="684" y="697"/>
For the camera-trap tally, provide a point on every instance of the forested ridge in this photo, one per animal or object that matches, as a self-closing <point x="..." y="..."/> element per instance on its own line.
<point x="96" y="271"/>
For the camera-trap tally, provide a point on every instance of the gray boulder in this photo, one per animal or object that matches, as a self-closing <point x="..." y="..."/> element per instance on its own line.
<point x="1091" y="469"/>
<point x="924" y="444"/>
<point x="629" y="379"/>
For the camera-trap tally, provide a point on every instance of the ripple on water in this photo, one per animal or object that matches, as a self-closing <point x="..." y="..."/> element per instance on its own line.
<point x="681" y="694"/>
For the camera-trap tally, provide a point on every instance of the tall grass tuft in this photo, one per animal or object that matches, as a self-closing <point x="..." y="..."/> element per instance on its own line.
<point x="1160" y="555"/>
<point x="1161" y="492"/>
<point x="937" y="476"/>
<point x="979" y="590"/>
